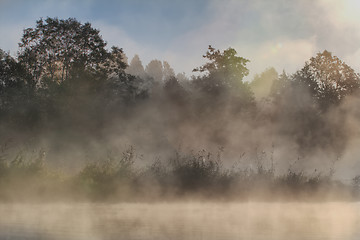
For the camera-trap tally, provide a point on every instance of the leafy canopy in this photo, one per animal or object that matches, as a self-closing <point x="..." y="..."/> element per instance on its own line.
<point x="328" y="78"/>
<point x="54" y="47"/>
<point x="225" y="63"/>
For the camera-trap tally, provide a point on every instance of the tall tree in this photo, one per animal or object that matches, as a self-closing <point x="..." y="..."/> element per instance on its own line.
<point x="54" y="47"/>
<point x="328" y="79"/>
<point x="11" y="82"/>
<point x="280" y="86"/>
<point x="224" y="75"/>
<point x="10" y="71"/>
<point x="225" y="63"/>
<point x="136" y="67"/>
<point x="181" y="77"/>
<point x="154" y="69"/>
<point x="115" y="64"/>
<point x="168" y="71"/>
<point x="18" y="101"/>
<point x="261" y="84"/>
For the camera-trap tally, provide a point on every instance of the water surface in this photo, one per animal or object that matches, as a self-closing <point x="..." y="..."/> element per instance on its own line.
<point x="164" y="221"/>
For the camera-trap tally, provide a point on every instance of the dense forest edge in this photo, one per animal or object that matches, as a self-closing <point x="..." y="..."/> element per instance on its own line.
<point x="78" y="122"/>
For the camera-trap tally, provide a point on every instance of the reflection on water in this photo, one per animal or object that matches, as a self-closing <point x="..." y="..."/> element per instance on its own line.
<point x="181" y="221"/>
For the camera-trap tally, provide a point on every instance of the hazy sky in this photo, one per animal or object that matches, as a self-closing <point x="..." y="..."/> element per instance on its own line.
<point x="279" y="33"/>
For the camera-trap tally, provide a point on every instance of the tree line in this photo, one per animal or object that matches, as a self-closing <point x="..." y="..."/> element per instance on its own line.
<point x="64" y="79"/>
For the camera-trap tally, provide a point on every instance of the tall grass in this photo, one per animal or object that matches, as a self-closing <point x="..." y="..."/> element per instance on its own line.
<point x="26" y="175"/>
<point x="196" y="175"/>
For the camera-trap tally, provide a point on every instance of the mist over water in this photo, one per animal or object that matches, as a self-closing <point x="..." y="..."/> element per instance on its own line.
<point x="92" y="147"/>
<point x="97" y="145"/>
<point x="190" y="220"/>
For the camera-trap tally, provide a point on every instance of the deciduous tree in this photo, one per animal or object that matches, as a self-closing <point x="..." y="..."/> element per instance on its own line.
<point x="54" y="47"/>
<point x="328" y="79"/>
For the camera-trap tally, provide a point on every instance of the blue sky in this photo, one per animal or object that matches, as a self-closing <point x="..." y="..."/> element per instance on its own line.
<point x="278" y="33"/>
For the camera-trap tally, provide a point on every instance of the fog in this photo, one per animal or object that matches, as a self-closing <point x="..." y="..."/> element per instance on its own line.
<point x="190" y="220"/>
<point x="82" y="121"/>
<point x="258" y="140"/>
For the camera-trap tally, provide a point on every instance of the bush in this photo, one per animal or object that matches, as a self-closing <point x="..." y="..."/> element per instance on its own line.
<point x="194" y="175"/>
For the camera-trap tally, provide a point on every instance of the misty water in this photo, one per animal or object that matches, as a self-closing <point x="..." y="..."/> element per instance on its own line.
<point x="181" y="221"/>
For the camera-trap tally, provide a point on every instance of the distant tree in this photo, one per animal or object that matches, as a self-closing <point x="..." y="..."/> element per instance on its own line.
<point x="11" y="82"/>
<point x="261" y="83"/>
<point x="155" y="70"/>
<point x="126" y="89"/>
<point x="181" y="77"/>
<point x="115" y="64"/>
<point x="11" y="73"/>
<point x="136" y="67"/>
<point x="280" y="86"/>
<point x="18" y="101"/>
<point x="121" y="85"/>
<point x="175" y="91"/>
<point x="328" y="79"/>
<point x="168" y="72"/>
<point x="224" y="77"/>
<point x="54" y="47"/>
<point x="226" y="63"/>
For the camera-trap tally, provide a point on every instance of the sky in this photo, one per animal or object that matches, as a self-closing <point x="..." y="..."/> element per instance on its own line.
<point x="279" y="33"/>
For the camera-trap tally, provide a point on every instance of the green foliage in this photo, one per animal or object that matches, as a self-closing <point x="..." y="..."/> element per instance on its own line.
<point x="225" y="63"/>
<point x="65" y="84"/>
<point x="175" y="92"/>
<point x="262" y="84"/>
<point x="196" y="172"/>
<point x="102" y="179"/>
<point x="17" y="96"/>
<point x="26" y="177"/>
<point x="55" y="48"/>
<point x="193" y="175"/>
<point x="155" y="70"/>
<point x="11" y="73"/>
<point x="223" y="82"/>
<point x="64" y="77"/>
<point x="328" y="79"/>
<point x="280" y="87"/>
